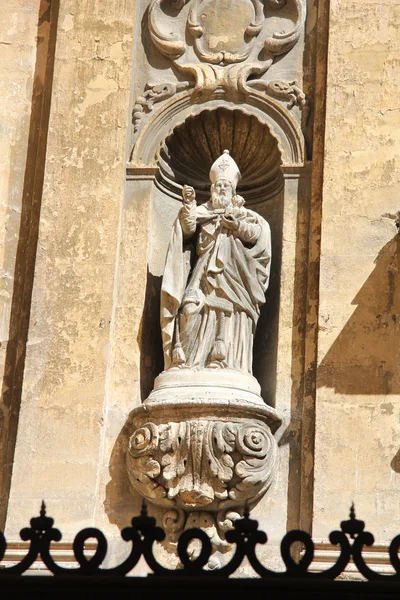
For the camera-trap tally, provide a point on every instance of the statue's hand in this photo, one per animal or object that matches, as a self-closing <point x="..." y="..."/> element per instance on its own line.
<point x="188" y="193"/>
<point x="230" y="222"/>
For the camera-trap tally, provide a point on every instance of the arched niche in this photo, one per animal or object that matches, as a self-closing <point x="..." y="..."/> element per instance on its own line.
<point x="184" y="156"/>
<point x="189" y="151"/>
<point x="281" y="124"/>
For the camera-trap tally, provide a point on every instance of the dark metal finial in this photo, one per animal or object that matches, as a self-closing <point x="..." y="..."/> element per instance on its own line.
<point x="143" y="512"/>
<point x="353" y="526"/>
<point x="245" y="535"/>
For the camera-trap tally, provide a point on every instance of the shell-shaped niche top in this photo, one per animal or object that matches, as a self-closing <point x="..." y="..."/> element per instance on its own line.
<point x="188" y="153"/>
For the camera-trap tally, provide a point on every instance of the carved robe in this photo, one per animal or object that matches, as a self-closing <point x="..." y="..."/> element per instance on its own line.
<point x="209" y="312"/>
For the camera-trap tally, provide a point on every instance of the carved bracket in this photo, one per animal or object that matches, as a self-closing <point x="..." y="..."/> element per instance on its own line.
<point x="212" y="456"/>
<point x="197" y="463"/>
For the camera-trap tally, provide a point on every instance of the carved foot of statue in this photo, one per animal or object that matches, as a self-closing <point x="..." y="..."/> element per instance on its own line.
<point x="216" y="364"/>
<point x="218" y="353"/>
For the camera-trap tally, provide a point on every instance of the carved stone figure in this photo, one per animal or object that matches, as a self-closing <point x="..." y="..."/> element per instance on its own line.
<point x="216" y="274"/>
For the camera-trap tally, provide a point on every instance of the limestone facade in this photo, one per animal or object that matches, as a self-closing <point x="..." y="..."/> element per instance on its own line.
<point x="108" y="110"/>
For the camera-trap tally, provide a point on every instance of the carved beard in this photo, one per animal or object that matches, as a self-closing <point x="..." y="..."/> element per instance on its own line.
<point x="222" y="200"/>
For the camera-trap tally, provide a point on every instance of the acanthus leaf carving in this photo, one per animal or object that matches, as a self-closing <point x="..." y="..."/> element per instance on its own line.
<point x="198" y="463"/>
<point x="221" y="444"/>
<point x="144" y="468"/>
<point x="174" y="447"/>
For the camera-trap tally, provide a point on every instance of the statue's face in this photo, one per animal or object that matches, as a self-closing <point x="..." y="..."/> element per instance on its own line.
<point x="221" y="194"/>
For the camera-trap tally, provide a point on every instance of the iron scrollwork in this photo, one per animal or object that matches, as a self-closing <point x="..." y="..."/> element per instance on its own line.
<point x="245" y="536"/>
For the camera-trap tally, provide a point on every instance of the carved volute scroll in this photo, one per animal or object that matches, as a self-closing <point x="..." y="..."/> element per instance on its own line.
<point x="166" y="43"/>
<point x="281" y="42"/>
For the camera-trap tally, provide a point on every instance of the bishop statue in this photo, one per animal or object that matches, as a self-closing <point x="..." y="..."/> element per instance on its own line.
<point x="216" y="274"/>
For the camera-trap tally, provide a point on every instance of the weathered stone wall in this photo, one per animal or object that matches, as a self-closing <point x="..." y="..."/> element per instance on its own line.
<point x="65" y="395"/>
<point x="17" y="64"/>
<point x="19" y="28"/>
<point x="358" y="401"/>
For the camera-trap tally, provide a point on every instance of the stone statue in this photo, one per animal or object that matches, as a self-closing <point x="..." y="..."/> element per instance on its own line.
<point x="216" y="274"/>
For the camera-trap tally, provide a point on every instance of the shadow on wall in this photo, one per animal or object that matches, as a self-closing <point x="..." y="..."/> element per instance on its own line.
<point x="149" y="338"/>
<point x="121" y="503"/>
<point x="365" y="357"/>
<point x="267" y="331"/>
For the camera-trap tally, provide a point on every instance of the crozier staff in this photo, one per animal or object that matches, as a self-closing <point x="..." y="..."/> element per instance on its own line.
<point x="209" y="311"/>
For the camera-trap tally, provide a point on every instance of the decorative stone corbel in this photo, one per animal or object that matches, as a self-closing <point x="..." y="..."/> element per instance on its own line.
<point x="203" y="442"/>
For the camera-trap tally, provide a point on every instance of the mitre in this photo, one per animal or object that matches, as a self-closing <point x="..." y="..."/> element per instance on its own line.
<point x="225" y="168"/>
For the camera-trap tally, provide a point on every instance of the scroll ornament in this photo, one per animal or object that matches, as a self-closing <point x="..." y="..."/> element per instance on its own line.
<point x="229" y="39"/>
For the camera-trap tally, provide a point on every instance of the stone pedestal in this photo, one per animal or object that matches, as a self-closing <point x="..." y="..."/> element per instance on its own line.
<point x="203" y="441"/>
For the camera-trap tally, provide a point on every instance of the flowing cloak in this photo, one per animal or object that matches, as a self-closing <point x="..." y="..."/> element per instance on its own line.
<point x="240" y="273"/>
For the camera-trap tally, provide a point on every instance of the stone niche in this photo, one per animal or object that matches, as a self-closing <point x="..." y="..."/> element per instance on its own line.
<point x="200" y="447"/>
<point x="186" y="156"/>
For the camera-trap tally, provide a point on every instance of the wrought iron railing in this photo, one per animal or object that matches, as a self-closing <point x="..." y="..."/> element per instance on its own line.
<point x="351" y="539"/>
